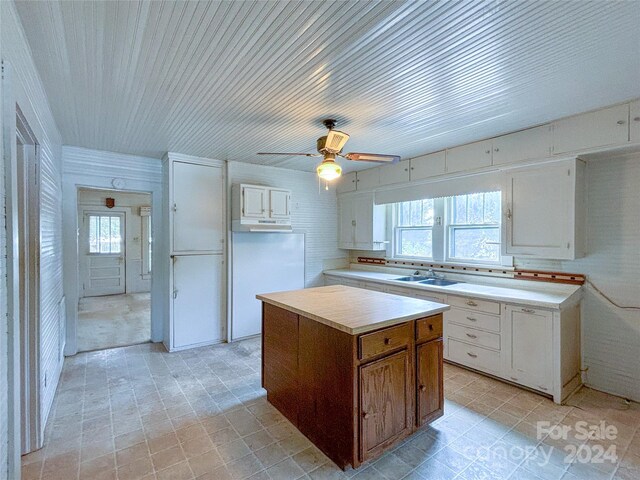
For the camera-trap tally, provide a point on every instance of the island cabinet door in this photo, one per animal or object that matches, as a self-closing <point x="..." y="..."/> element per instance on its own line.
<point x="429" y="381"/>
<point x="385" y="403"/>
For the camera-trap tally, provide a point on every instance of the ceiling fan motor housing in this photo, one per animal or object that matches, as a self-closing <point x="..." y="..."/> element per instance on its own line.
<point x="332" y="142"/>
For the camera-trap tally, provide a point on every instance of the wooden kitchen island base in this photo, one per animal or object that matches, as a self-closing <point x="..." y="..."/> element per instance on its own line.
<point x="353" y="395"/>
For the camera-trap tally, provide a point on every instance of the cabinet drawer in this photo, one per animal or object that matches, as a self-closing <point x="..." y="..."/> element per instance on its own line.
<point x="474" y="356"/>
<point x="372" y="344"/>
<point x="473" y="319"/>
<point x="476" y="337"/>
<point x="429" y="328"/>
<point x="432" y="297"/>
<point x="485" y="306"/>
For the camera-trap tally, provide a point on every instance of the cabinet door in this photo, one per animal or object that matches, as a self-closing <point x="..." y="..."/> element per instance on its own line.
<point x="363" y="216"/>
<point x="197" y="297"/>
<point x="634" y="123"/>
<point x="529" y="353"/>
<point x="524" y="145"/>
<point x="254" y="201"/>
<point x="198" y="208"/>
<point x="540" y="211"/>
<point x="368" y="179"/>
<point x="428" y="165"/>
<point x="429" y="381"/>
<point x="608" y="126"/>
<point x="394" y="173"/>
<point x="346" y="222"/>
<point x="279" y="203"/>
<point x="469" y="157"/>
<point x="346" y="183"/>
<point x="385" y="402"/>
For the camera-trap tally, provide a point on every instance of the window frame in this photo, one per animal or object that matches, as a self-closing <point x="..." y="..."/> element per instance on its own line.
<point x="435" y="229"/>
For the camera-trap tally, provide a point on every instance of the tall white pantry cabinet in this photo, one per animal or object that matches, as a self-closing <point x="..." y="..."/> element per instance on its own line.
<point x="195" y="213"/>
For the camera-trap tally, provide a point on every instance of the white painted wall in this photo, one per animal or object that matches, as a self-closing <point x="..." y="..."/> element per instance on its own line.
<point x="136" y="280"/>
<point x="22" y="85"/>
<point x="611" y="336"/>
<point x="140" y="174"/>
<point x="314" y="212"/>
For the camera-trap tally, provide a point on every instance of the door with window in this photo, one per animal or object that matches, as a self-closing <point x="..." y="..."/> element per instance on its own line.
<point x="102" y="242"/>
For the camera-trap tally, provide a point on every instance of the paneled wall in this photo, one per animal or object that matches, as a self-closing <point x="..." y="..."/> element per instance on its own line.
<point x="610" y="335"/>
<point x="24" y="87"/>
<point x="313" y="211"/>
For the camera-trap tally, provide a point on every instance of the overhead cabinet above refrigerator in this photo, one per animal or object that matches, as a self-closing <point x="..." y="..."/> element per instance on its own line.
<point x="257" y="208"/>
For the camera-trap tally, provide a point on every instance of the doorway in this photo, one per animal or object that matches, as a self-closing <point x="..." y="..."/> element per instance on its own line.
<point x="28" y="223"/>
<point x="114" y="266"/>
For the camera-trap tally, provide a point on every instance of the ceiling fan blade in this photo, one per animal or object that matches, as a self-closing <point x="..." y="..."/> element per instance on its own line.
<point x="296" y="154"/>
<point x="372" y="157"/>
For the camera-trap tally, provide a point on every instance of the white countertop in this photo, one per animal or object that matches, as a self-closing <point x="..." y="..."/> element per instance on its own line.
<point x="352" y="310"/>
<point x="555" y="296"/>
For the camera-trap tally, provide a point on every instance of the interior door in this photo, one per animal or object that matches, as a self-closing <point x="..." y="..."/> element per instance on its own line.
<point x="197" y="300"/>
<point x="384" y="402"/>
<point x="279" y="203"/>
<point x="198" y="208"/>
<point x="103" y="242"/>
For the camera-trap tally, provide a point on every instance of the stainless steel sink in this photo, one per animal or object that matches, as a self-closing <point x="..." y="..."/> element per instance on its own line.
<point x="438" y="282"/>
<point x="412" y="278"/>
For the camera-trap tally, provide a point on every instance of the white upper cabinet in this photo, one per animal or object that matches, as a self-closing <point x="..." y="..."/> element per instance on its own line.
<point x="362" y="225"/>
<point x="528" y="336"/>
<point x="634" y="122"/>
<point x="346" y="183"/>
<point x="525" y="145"/>
<point x="367" y="179"/>
<point x="606" y="127"/>
<point x="279" y="203"/>
<point x="544" y="211"/>
<point x="394" y="173"/>
<point x="254" y="201"/>
<point x="469" y="157"/>
<point x="197" y="208"/>
<point x="428" y="165"/>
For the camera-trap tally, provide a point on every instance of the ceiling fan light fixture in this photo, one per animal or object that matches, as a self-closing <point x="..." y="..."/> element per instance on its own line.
<point x="329" y="170"/>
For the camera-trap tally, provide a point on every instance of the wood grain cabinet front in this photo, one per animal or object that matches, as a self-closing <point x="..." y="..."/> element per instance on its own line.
<point x="429" y="381"/>
<point x="385" y="402"/>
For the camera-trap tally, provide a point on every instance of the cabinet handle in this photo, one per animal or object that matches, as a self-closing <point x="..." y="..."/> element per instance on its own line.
<point x="636" y="119"/>
<point x="509" y="215"/>
<point x="423" y="388"/>
<point x="471" y="335"/>
<point x="514" y="379"/>
<point x="366" y="415"/>
<point x="471" y="303"/>
<point x="621" y="122"/>
<point x="175" y="294"/>
<point x="542" y="388"/>
<point x="471" y="319"/>
<point x="431" y="327"/>
<point x="472" y="355"/>
<point x="487" y="152"/>
<point x="387" y="341"/>
<point x="406" y="169"/>
<point x="528" y="310"/>
<point x="414" y="168"/>
<point x="496" y="149"/>
<point x="175" y="207"/>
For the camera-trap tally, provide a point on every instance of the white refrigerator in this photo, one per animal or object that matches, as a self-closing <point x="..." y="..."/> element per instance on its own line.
<point x="261" y="263"/>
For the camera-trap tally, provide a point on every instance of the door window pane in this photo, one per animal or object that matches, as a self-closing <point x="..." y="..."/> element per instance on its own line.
<point x="105" y="234"/>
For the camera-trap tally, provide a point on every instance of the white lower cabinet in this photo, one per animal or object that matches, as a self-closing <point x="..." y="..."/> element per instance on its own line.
<point x="197" y="300"/>
<point x="528" y="344"/>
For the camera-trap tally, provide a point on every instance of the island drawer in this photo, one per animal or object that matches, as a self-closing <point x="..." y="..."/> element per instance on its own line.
<point x="473" y="319"/>
<point x="376" y="343"/>
<point x="474" y="356"/>
<point x="429" y="328"/>
<point x="485" y="306"/>
<point x="476" y="337"/>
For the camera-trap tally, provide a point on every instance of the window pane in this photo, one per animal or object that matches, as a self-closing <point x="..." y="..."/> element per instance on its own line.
<point x="415" y="243"/>
<point x="115" y="235"/>
<point x="481" y="243"/>
<point x="460" y="209"/>
<point x="93" y="234"/>
<point x="419" y="213"/>
<point x="475" y="214"/>
<point x="492" y="207"/>
<point x="104" y="234"/>
<point x="427" y="212"/>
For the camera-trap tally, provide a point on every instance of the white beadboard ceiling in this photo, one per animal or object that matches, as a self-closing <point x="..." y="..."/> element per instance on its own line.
<point x="227" y="79"/>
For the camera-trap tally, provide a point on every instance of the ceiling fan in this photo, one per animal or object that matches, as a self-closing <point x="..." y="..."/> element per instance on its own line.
<point x="330" y="146"/>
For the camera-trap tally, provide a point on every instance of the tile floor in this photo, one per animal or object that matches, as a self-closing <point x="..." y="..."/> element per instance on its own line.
<point x="113" y="321"/>
<point x="141" y="413"/>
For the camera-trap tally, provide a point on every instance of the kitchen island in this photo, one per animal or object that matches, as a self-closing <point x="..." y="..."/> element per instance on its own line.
<point x="356" y="371"/>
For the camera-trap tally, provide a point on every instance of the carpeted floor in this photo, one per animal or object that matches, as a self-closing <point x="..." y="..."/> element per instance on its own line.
<point x="114" y="321"/>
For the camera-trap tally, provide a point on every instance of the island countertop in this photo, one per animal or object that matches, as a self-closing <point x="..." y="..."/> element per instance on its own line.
<point x="352" y="310"/>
